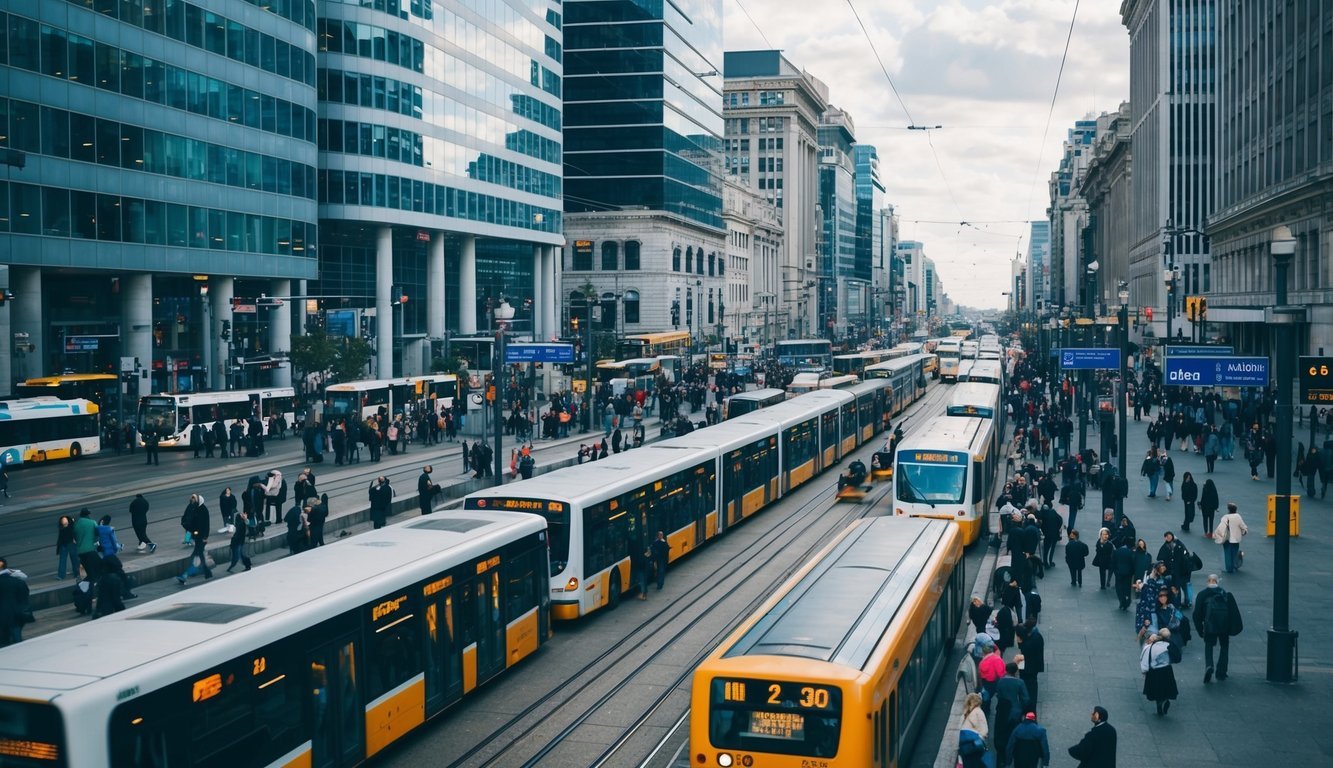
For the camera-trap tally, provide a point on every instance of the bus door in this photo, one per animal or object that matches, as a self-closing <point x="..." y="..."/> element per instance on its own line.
<point x="337" y="719"/>
<point x="733" y="489"/>
<point x="482" y="629"/>
<point x="444" y="677"/>
<point x="254" y="406"/>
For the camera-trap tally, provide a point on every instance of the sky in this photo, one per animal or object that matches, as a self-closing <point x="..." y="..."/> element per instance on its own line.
<point x="986" y="72"/>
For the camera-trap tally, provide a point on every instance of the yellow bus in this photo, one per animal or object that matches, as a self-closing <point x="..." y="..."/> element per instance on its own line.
<point x="639" y="345"/>
<point x="44" y="428"/>
<point x="101" y="388"/>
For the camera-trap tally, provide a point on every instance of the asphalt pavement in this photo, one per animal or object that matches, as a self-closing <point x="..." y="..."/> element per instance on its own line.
<point x="1092" y="654"/>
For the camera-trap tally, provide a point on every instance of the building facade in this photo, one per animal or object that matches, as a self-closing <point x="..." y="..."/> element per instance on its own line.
<point x="1068" y="214"/>
<point x="754" y="280"/>
<point x="1034" y="291"/>
<point x="1105" y="187"/>
<point x="841" y="288"/>
<point x="1274" y="167"/>
<point x="643" y="163"/>
<point x="161" y="160"/>
<point x="1173" y="114"/>
<point x="440" y="143"/>
<point x="870" y="265"/>
<point x="772" y="111"/>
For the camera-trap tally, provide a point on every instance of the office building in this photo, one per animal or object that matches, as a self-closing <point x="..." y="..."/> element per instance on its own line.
<point x="772" y="110"/>
<point x="1068" y="214"/>
<point x="1274" y="164"/>
<point x="440" y="138"/>
<point x="1105" y="187"/>
<point x="753" y="282"/>
<point x="1033" y="292"/>
<point x="868" y="263"/>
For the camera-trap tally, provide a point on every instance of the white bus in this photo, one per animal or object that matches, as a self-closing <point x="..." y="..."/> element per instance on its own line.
<point x="815" y="355"/>
<point x="980" y="400"/>
<point x="175" y="416"/>
<point x="45" y="428"/>
<point x="983" y="370"/>
<point x="950" y="352"/>
<point x="360" y="400"/>
<point x="809" y="382"/>
<point x="945" y="469"/>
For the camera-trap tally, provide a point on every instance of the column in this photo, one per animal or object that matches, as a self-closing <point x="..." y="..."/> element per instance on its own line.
<point x="280" y="331"/>
<point x="539" y="297"/>
<point x="435" y="288"/>
<point x="551" y="310"/>
<point x="7" y="352"/>
<point x="136" y="329"/>
<point x="301" y="314"/>
<point x="220" y="292"/>
<point x="467" y="287"/>
<point x="26" y="316"/>
<point x="384" y="308"/>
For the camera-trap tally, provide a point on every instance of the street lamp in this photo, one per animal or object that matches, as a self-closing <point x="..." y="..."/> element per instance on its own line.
<point x="1123" y="446"/>
<point x="502" y="314"/>
<point x="1281" y="639"/>
<point x="1170" y="277"/>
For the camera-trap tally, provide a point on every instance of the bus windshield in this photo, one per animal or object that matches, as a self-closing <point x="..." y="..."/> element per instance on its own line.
<point x="30" y="734"/>
<point x="158" y="412"/>
<point x="557" y="531"/>
<point x="931" y="483"/>
<point x="343" y="405"/>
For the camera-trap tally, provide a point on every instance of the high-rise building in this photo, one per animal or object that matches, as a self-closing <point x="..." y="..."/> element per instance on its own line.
<point x="869" y="236"/>
<point x="841" y="287"/>
<point x="754" y="252"/>
<point x="1038" y="262"/>
<point x="440" y="139"/>
<point x="643" y="173"/>
<point x="1274" y="166"/>
<point x="159" y="160"/>
<point x="912" y="254"/>
<point x="1172" y="96"/>
<point x="886" y="270"/>
<point x="1068" y="214"/>
<point x="772" y="111"/>
<point x="1105" y="187"/>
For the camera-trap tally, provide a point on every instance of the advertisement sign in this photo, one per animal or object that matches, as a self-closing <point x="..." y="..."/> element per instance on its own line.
<point x="1096" y="358"/>
<point x="1216" y="372"/>
<point x="539" y="353"/>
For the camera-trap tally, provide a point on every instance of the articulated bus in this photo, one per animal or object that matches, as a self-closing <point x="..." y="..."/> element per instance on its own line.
<point x="946" y="470"/>
<point x="980" y="400"/>
<point x="358" y="400"/>
<point x="950" y="352"/>
<point x="693" y="488"/>
<point x="319" y="660"/>
<point x="742" y="403"/>
<point x="640" y="345"/>
<point x="101" y="388"/>
<point x="907" y="375"/>
<point x="802" y="383"/>
<point x="854" y="364"/>
<point x="628" y="369"/>
<point x="805" y="355"/>
<point x="174" y="416"/>
<point x="838" y="667"/>
<point x="45" y="428"/>
<point x="982" y="370"/>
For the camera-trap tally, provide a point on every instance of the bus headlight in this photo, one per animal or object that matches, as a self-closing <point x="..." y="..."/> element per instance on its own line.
<point x="899" y="511"/>
<point x="724" y="760"/>
<point x="962" y="513"/>
<point x="572" y="585"/>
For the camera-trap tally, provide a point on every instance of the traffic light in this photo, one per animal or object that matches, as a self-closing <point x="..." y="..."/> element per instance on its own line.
<point x="574" y="324"/>
<point x="1196" y="308"/>
<point x="365" y="327"/>
<point x="226" y="330"/>
<point x="1147" y="311"/>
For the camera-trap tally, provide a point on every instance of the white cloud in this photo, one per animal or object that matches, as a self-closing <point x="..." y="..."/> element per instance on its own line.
<point x="983" y="70"/>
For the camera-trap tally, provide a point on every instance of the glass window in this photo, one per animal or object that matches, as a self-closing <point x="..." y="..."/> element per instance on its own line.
<point x="155" y="222"/>
<point x="132" y="220"/>
<point x="631" y="301"/>
<point x="25" y="126"/>
<point x="55" y="132"/>
<point x="631" y="261"/>
<point x="55" y="56"/>
<point x="675" y="260"/>
<point x="215" y="33"/>
<point x="107" y="63"/>
<point x="131" y="75"/>
<point x="108" y="217"/>
<point x="198" y="227"/>
<point x="178" y="225"/>
<point x="4" y="205"/>
<point x="83" y="139"/>
<point x="83" y="214"/>
<point x="131" y="147"/>
<point x="217" y="229"/>
<point x="26" y="208"/>
<point x="81" y="60"/>
<point x="194" y="25"/>
<point x="23" y="43"/>
<point x="154" y="15"/>
<point x="610" y="256"/>
<point x="108" y="142"/>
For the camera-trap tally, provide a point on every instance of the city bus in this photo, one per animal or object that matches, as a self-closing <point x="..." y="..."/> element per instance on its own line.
<point x="946" y="469"/>
<point x="44" y="428"/>
<point x="854" y="363"/>
<point x="982" y="370"/>
<point x="628" y="369"/>
<point x="360" y="400"/>
<point x="980" y="400"/>
<point x="839" y="665"/>
<point x="950" y="353"/>
<point x="907" y="377"/>
<point x="805" y="355"/>
<point x="101" y="388"/>
<point x="175" y="416"/>
<point x="809" y="382"/>
<point x="320" y="660"/>
<point x="742" y="403"/>
<point x="640" y="345"/>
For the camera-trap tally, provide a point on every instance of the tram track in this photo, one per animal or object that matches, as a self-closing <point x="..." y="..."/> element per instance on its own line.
<point x="652" y="641"/>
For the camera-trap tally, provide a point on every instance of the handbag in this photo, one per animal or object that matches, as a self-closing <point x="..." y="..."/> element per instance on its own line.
<point x="26" y="617"/>
<point x="1196" y="561"/>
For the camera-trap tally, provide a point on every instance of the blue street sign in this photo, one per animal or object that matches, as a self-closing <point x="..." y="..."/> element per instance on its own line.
<point x="1222" y="371"/>
<point x="539" y="353"/>
<point x="1096" y="358"/>
<point x="1199" y="351"/>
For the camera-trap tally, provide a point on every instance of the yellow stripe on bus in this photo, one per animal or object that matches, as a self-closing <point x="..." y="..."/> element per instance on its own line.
<point x="752" y="502"/>
<point x="799" y="475"/>
<point x="469" y="668"/>
<point x="395" y="713"/>
<point x="522" y="637"/>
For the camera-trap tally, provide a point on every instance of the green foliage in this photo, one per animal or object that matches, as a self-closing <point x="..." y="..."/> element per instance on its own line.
<point x="344" y="359"/>
<point x="352" y="358"/>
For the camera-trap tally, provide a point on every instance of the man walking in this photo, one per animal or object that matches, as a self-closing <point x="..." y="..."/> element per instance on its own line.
<point x="661" y="553"/>
<point x="1097" y="749"/>
<point x="1217" y="618"/>
<point x="14" y="606"/>
<point x="196" y="522"/>
<point x="85" y="539"/>
<point x="1028" y="746"/>
<point x="139" y="519"/>
<point x="1031" y="658"/>
<point x="426" y="490"/>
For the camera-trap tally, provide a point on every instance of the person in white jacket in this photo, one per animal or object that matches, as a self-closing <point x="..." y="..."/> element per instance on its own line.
<point x="1230" y="530"/>
<point x="275" y="494"/>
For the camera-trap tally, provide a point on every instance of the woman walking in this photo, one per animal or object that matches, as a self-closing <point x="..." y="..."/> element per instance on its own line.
<point x="1189" y="493"/>
<point x="1076" y="557"/>
<point x="972" y="733"/>
<point x="227" y="506"/>
<point x="1159" y="679"/>
<point x="240" y="527"/>
<point x="1208" y="504"/>
<point x="1104" y="558"/>
<point x="1229" y="532"/>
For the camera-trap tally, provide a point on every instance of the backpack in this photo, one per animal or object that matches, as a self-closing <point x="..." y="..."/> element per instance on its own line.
<point x="1217" y="615"/>
<point x="1174" y="651"/>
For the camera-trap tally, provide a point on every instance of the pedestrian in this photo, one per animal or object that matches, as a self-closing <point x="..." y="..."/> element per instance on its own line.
<point x="426" y="490"/>
<point x="1072" y="496"/>
<point x="979" y="613"/>
<point x="990" y="669"/>
<point x="1189" y="494"/>
<point x="107" y="541"/>
<point x="1031" y="657"/>
<point x="196" y="523"/>
<point x="66" y="548"/>
<point x="1208" y="504"/>
<point x="1028" y="746"/>
<point x="1217" y="619"/>
<point x="227" y="508"/>
<point x="151" y="438"/>
<point x="1104" y="558"/>
<point x="1050" y="525"/>
<point x="381" y="500"/>
<point x="298" y="531"/>
<point x="1123" y="564"/>
<point x="1230" y="530"/>
<point x="1076" y="557"/>
<point x="1168" y="473"/>
<point x="85" y="539"/>
<point x="4" y="484"/>
<point x="196" y="439"/>
<point x="15" y="611"/>
<point x="661" y="553"/>
<point x="239" y="528"/>
<point x="139" y="521"/>
<point x="1212" y="447"/>
<point x="640" y="564"/>
<point x="1011" y="697"/>
<point x="1151" y="469"/>
<point x="1159" y="679"/>
<point x="972" y="733"/>
<point x="275" y="495"/>
<point x="467" y="457"/>
<point x="1097" y="748"/>
<point x="1254" y="456"/>
<point x="315" y="519"/>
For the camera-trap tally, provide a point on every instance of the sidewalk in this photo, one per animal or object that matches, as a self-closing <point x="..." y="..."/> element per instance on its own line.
<point x="1092" y="654"/>
<point x="349" y="510"/>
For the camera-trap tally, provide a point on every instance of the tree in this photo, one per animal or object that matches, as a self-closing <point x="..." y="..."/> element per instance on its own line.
<point x="353" y="355"/>
<point x="313" y="353"/>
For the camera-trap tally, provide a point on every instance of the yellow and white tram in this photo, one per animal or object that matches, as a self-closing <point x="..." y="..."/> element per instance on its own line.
<point x="946" y="469"/>
<point x="320" y="660"/>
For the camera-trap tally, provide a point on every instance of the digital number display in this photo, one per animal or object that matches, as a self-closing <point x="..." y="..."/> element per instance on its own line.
<point x="938" y="457"/>
<point x="538" y="506"/>
<point x="969" y="410"/>
<point x="787" y="726"/>
<point x="207" y="688"/>
<point x="782" y="717"/>
<point x="779" y="694"/>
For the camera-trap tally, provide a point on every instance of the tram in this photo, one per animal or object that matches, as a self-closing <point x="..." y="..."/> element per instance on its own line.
<point x="946" y="470"/>
<point x="319" y="660"/>
<point x="358" y="400"/>
<point x="742" y="403"/>
<point x="175" y="416"/>
<point x="837" y="668"/>
<point x="906" y="374"/>
<point x="692" y="488"/>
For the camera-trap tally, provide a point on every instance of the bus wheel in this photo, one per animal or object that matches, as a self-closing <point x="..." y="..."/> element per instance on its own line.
<point x="75" y="451"/>
<point x="613" y="596"/>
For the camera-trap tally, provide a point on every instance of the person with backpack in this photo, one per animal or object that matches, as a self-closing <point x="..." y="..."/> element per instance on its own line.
<point x="1159" y="679"/>
<point x="1217" y="619"/>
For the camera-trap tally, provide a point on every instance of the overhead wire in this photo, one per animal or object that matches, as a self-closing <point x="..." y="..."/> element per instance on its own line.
<point x="1036" y="174"/>
<point x="754" y="23"/>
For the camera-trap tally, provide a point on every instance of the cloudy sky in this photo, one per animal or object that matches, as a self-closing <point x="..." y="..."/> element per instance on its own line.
<point x="985" y="71"/>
